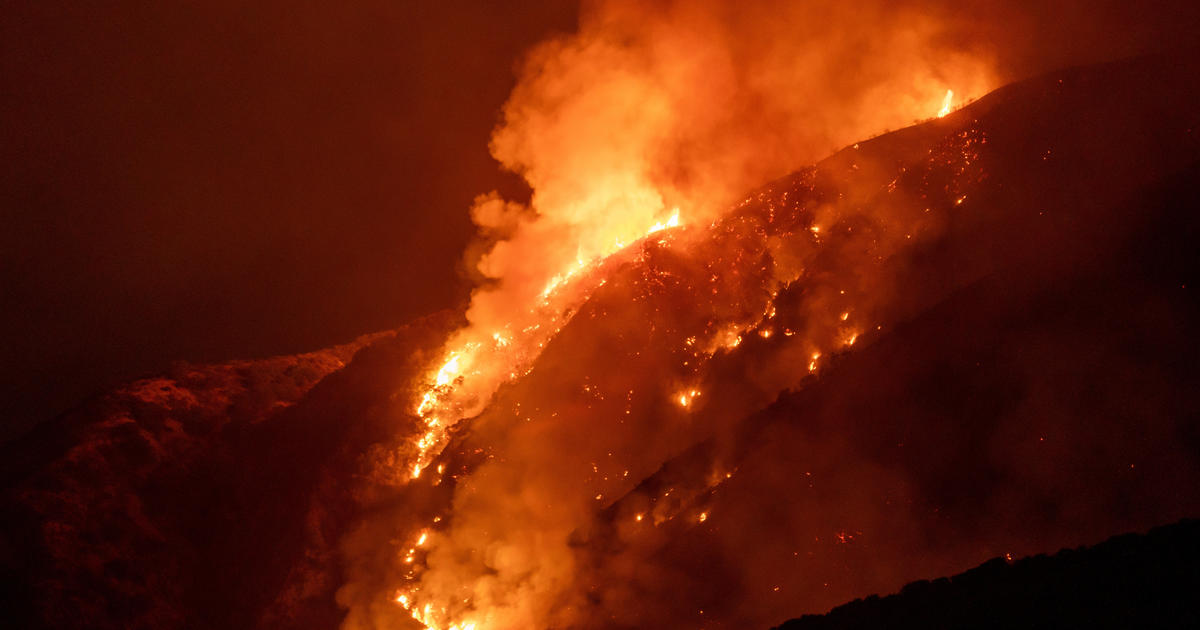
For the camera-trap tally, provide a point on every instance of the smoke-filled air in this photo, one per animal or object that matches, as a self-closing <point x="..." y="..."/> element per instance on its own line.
<point x="757" y="308"/>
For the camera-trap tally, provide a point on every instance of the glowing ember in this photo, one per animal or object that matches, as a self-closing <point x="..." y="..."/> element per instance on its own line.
<point x="685" y="398"/>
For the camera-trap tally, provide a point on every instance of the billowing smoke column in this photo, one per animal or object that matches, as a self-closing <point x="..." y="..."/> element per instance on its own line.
<point x="640" y="128"/>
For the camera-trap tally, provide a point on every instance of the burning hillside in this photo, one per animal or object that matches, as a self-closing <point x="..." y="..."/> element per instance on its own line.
<point x="964" y="339"/>
<point x="624" y="462"/>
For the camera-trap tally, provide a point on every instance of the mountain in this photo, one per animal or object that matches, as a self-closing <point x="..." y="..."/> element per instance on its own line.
<point x="964" y="339"/>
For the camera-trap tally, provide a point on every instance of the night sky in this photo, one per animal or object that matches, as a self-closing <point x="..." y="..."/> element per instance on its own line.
<point x="208" y="180"/>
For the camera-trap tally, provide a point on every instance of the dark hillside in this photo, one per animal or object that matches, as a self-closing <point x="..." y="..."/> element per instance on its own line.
<point x="1128" y="581"/>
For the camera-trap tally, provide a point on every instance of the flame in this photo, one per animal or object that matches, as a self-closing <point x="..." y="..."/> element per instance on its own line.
<point x="946" y="102"/>
<point x="476" y="365"/>
<point x="671" y="222"/>
<point x="425" y="615"/>
<point x="449" y="370"/>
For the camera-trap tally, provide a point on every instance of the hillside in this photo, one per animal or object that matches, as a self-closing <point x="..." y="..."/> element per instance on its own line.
<point x="968" y="338"/>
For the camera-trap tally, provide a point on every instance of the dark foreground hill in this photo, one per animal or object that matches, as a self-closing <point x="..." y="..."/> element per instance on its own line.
<point x="1129" y="581"/>
<point x="1004" y="303"/>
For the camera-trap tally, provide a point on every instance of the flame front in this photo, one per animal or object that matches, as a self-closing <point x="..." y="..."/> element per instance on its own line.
<point x="477" y="363"/>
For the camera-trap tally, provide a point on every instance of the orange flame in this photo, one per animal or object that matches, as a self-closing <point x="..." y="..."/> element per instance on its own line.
<point x="476" y="364"/>
<point x="946" y="102"/>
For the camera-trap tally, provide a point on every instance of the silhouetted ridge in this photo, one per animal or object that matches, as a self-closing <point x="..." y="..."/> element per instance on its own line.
<point x="1128" y="581"/>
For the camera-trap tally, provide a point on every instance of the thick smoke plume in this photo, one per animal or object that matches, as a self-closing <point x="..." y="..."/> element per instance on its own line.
<point x="653" y="107"/>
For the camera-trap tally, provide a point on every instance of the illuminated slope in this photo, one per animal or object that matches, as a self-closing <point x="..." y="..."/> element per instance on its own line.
<point x="548" y="516"/>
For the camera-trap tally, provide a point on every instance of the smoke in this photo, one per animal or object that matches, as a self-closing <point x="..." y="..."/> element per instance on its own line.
<point x="648" y="110"/>
<point x="655" y="115"/>
<point x="653" y="107"/>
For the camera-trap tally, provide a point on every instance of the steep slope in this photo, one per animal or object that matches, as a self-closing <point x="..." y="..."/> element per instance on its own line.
<point x="1013" y="417"/>
<point x="1030" y="386"/>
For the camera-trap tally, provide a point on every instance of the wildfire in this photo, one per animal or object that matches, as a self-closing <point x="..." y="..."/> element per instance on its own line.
<point x="590" y="144"/>
<point x="476" y="365"/>
<point x="425" y="616"/>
